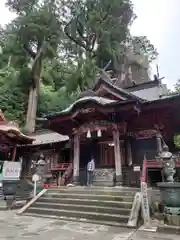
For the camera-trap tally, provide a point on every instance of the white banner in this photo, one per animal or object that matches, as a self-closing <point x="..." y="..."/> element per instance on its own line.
<point x="11" y="170"/>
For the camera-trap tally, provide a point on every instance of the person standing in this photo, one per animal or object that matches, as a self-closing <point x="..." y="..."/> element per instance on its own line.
<point x="90" y="171"/>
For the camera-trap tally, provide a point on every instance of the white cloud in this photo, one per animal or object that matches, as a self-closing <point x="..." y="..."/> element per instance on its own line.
<point x="5" y="15"/>
<point x="159" y="21"/>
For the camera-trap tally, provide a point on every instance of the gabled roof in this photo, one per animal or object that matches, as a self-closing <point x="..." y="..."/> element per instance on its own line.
<point x="46" y="137"/>
<point x="14" y="132"/>
<point x="108" y="88"/>
<point x="143" y="85"/>
<point x="119" y="97"/>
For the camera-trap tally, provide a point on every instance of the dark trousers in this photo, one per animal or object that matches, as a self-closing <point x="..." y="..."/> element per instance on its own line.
<point x="89" y="177"/>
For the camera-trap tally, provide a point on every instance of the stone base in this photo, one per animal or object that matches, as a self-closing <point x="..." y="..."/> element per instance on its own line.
<point x="104" y="177"/>
<point x="76" y="180"/>
<point x="118" y="180"/>
<point x="3" y="205"/>
<point x="173" y="220"/>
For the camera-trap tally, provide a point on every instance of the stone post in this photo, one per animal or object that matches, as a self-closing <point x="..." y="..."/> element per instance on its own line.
<point x="117" y="154"/>
<point x="76" y="156"/>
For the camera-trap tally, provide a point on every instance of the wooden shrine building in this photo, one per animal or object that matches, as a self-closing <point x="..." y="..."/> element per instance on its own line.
<point x="10" y="138"/>
<point x="53" y="146"/>
<point x="120" y="128"/>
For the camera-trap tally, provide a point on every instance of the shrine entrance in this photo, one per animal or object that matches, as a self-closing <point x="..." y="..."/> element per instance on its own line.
<point x="101" y="151"/>
<point x="99" y="140"/>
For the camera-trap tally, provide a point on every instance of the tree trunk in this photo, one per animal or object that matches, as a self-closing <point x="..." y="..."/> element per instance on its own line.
<point x="32" y="109"/>
<point x="33" y="94"/>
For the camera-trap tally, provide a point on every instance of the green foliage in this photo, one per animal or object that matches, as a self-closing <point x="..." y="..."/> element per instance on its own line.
<point x="177" y="141"/>
<point x="53" y="101"/>
<point x="77" y="37"/>
<point x="145" y="47"/>
<point x="13" y="99"/>
<point x="100" y="28"/>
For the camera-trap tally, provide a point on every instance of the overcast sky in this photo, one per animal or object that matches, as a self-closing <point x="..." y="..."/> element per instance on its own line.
<point x="159" y="21"/>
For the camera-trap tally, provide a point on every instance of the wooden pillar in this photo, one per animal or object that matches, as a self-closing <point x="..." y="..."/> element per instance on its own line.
<point x="129" y="153"/>
<point x="14" y="153"/>
<point x="117" y="154"/>
<point x="159" y="143"/>
<point x="76" y="156"/>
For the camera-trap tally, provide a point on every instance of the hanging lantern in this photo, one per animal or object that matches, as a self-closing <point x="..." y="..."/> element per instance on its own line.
<point x="88" y="134"/>
<point x="99" y="133"/>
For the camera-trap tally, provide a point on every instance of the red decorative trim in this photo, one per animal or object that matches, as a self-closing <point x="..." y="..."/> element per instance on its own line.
<point x="153" y="164"/>
<point x="144" y="171"/>
<point x="59" y="166"/>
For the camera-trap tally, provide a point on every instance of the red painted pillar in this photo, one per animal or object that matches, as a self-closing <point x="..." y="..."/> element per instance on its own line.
<point x="14" y="153"/>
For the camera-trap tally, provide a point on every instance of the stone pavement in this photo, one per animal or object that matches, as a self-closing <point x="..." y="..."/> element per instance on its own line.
<point x="24" y="227"/>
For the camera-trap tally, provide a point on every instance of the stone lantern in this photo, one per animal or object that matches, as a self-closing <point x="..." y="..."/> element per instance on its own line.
<point x="170" y="190"/>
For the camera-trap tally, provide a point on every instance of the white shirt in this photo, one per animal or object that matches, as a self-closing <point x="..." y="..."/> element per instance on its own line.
<point x="91" y="166"/>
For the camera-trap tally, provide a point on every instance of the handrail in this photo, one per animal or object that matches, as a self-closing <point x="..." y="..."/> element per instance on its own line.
<point x="144" y="171"/>
<point x="154" y="163"/>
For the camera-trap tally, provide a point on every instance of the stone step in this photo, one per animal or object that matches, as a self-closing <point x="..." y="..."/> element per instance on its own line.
<point x="86" y="190"/>
<point x="89" y="196"/>
<point x="79" y="214"/>
<point x="83" y="202"/>
<point x="98" y="188"/>
<point x="72" y="219"/>
<point x="86" y="208"/>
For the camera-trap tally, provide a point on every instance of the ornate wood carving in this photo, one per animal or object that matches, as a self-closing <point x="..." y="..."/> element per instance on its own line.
<point x="102" y="125"/>
<point x="86" y="110"/>
<point x="4" y="148"/>
<point x="144" y="134"/>
<point x="6" y="144"/>
<point x="104" y="174"/>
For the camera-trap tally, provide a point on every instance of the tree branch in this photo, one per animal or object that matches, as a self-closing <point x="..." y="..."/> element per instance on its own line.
<point x="29" y="51"/>
<point x="80" y="43"/>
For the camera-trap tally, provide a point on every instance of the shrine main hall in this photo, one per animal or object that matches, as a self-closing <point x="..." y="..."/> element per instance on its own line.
<point x="119" y="128"/>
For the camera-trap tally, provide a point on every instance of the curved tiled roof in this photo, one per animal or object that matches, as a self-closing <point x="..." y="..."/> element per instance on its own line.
<point x="12" y="130"/>
<point x="100" y="100"/>
<point x="97" y="100"/>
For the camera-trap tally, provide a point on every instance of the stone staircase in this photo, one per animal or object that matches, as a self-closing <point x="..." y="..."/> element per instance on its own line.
<point x="109" y="206"/>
